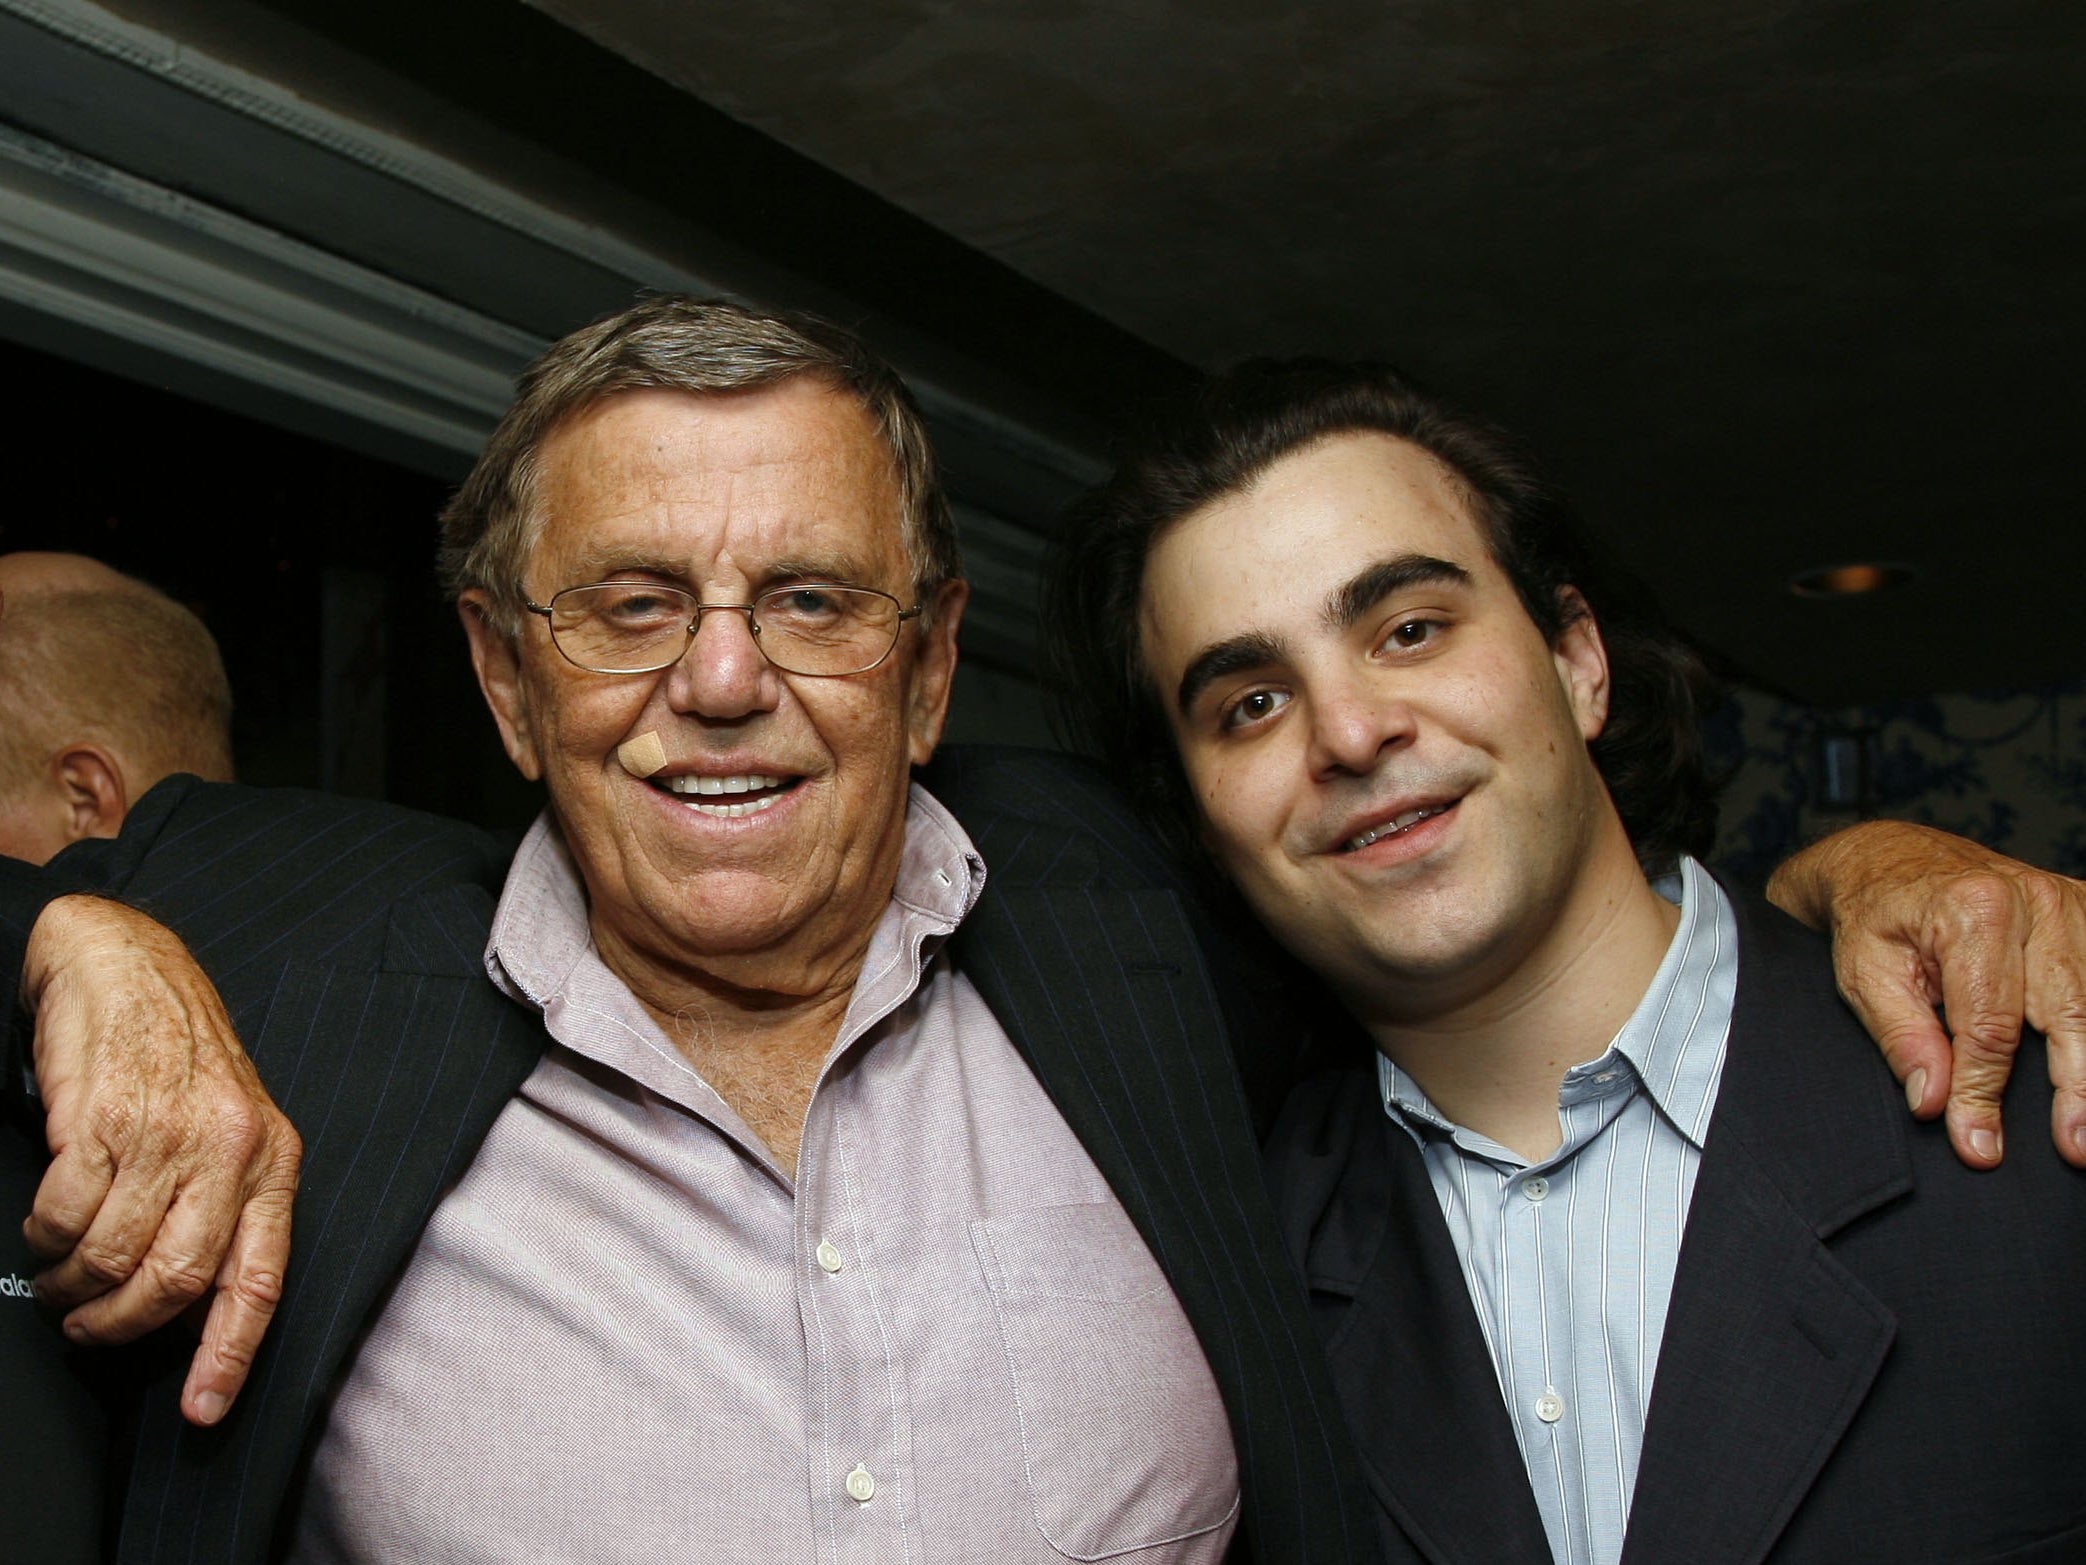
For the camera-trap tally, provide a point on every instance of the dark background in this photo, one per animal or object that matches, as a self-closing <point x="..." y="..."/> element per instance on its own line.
<point x="270" y="537"/>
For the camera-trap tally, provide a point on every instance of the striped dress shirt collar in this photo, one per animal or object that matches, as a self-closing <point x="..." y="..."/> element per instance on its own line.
<point x="1672" y="1045"/>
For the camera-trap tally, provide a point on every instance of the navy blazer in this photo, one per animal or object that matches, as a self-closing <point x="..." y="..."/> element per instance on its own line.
<point x="348" y="941"/>
<point x="1872" y="1353"/>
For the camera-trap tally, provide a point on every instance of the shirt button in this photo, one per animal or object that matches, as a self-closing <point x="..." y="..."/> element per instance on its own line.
<point x="1549" y="1408"/>
<point x="829" y="1259"/>
<point x="1535" y="1189"/>
<point x="860" y="1486"/>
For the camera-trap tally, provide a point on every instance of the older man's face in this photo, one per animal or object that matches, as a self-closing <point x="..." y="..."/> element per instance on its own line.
<point x="727" y="496"/>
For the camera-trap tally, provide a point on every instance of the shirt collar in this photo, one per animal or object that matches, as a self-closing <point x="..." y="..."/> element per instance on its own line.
<point x="540" y="931"/>
<point x="1673" y="1043"/>
<point x="1675" y="1038"/>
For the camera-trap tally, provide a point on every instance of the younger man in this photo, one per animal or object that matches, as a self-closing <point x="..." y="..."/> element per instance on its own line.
<point x="1621" y="1245"/>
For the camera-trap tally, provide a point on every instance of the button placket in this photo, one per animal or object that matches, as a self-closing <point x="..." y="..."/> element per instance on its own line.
<point x="858" y="1408"/>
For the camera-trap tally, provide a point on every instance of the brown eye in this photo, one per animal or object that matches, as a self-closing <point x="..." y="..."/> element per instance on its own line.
<point x="1412" y="633"/>
<point x="1253" y="706"/>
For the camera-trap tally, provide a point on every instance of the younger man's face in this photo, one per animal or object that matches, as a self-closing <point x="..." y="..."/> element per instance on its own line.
<point x="1387" y="757"/>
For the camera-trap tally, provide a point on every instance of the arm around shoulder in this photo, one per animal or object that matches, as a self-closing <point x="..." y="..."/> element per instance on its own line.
<point x="1921" y="919"/>
<point x="172" y="1172"/>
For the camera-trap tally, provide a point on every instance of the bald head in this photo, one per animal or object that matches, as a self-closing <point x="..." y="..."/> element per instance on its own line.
<point x="30" y="571"/>
<point x="106" y="686"/>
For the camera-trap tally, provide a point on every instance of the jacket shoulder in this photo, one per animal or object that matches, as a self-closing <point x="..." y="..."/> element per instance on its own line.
<point x="1048" y="817"/>
<point x="245" y="873"/>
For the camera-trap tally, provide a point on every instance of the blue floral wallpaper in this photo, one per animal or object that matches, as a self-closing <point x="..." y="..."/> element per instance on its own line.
<point x="2008" y="769"/>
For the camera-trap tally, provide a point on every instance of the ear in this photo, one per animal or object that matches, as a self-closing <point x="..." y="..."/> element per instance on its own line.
<point x="1582" y="664"/>
<point x="933" y="672"/>
<point x="498" y="662"/>
<point x="91" y="782"/>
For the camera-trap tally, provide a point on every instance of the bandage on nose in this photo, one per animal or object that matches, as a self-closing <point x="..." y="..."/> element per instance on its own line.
<point x="644" y="755"/>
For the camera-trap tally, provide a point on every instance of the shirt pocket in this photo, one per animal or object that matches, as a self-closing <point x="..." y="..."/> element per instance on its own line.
<point x="1123" y="1432"/>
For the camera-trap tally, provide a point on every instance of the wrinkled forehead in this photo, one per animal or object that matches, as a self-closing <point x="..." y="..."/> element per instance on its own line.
<point x="794" y="469"/>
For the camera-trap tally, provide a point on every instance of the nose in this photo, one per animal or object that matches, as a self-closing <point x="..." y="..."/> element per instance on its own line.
<point x="1354" y="722"/>
<point x="723" y="674"/>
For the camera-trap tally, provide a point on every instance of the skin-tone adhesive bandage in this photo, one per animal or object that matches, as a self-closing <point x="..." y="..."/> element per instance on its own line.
<point x="642" y="756"/>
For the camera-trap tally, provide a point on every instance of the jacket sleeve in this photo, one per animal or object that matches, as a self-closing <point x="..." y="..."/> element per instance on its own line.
<point x="24" y="889"/>
<point x="247" y="877"/>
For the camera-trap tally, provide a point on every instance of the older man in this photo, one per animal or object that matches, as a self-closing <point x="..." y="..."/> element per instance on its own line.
<point x="795" y="1188"/>
<point x="790" y="1191"/>
<point x="1618" y="1245"/>
<point x="106" y="686"/>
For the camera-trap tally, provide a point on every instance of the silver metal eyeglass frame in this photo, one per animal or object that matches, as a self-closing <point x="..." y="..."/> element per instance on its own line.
<point x="753" y="625"/>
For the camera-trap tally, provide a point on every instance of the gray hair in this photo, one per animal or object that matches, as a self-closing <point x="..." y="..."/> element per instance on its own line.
<point x="678" y="343"/>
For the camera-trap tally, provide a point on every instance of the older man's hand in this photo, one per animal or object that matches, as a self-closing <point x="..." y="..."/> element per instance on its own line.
<point x="173" y="1173"/>
<point x="1920" y="918"/>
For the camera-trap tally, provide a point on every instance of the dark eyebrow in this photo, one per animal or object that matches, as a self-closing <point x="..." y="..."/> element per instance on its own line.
<point x="1368" y="587"/>
<point x="1252" y="650"/>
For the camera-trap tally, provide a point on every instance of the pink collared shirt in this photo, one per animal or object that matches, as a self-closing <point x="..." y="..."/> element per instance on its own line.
<point x="626" y="1334"/>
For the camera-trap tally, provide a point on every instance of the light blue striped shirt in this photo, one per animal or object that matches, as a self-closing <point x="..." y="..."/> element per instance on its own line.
<point x="1570" y="1261"/>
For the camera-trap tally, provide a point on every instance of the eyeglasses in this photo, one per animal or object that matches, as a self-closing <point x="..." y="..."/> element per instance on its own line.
<point x="816" y="629"/>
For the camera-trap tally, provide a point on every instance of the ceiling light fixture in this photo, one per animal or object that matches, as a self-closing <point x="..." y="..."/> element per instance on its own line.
<point x="1850" y="581"/>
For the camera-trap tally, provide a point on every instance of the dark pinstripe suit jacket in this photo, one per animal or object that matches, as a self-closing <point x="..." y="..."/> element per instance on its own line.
<point x="348" y="941"/>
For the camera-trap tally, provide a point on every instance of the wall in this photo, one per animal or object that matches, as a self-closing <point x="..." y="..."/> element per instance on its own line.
<point x="2007" y="768"/>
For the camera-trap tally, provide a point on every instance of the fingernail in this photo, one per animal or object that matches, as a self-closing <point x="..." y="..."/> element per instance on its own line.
<point x="2079" y="1139"/>
<point x="77" y="1333"/>
<point x="1985" y="1143"/>
<point x="1916" y="1089"/>
<point x="211" y="1405"/>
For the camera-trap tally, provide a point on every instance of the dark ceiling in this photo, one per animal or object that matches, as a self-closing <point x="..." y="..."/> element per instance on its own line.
<point x="1774" y="285"/>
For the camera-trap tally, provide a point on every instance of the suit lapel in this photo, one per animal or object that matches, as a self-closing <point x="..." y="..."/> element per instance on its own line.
<point x="1105" y="993"/>
<point x="394" y="1077"/>
<point x="1771" y="1345"/>
<point x="1414" y="1375"/>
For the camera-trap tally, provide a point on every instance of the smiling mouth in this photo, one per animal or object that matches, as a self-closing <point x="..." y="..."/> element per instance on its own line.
<point x="728" y="797"/>
<point x="1394" y="826"/>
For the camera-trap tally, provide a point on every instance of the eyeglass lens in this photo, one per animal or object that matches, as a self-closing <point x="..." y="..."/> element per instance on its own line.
<point x="637" y="627"/>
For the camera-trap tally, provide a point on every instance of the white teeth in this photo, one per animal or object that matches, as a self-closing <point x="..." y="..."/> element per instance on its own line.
<point x="732" y="811"/>
<point x="1391" y="828"/>
<point x="705" y="788"/>
<point x="750" y="783"/>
